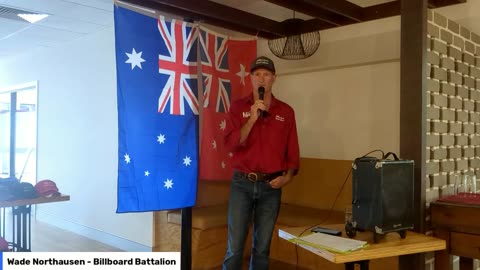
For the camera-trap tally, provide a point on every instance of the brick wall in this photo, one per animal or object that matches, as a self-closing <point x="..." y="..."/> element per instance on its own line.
<point x="453" y="107"/>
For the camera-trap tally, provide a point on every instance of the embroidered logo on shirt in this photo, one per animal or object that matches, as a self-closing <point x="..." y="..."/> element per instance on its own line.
<point x="246" y="114"/>
<point x="279" y="118"/>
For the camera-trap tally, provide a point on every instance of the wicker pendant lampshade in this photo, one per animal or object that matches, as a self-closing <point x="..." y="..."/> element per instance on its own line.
<point x="295" y="46"/>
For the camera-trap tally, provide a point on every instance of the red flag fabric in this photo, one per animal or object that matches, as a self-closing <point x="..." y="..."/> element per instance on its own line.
<point x="225" y="65"/>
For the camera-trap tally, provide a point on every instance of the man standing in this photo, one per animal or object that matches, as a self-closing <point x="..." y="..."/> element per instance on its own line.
<point x="261" y="132"/>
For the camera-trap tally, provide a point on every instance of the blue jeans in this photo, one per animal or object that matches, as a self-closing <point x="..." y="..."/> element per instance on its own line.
<point x="249" y="199"/>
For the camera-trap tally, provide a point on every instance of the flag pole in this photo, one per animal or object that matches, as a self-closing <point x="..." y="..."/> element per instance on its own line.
<point x="186" y="241"/>
<point x="186" y="238"/>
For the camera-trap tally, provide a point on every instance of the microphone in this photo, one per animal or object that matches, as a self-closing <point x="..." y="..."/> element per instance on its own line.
<point x="261" y="93"/>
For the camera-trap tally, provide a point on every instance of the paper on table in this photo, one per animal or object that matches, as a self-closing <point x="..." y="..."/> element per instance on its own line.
<point x="330" y="242"/>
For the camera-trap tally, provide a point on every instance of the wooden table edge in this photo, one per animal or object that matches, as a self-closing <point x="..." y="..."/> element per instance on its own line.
<point x="39" y="200"/>
<point x="435" y="244"/>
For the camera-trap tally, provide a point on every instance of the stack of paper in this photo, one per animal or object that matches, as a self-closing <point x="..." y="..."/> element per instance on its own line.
<point x="329" y="242"/>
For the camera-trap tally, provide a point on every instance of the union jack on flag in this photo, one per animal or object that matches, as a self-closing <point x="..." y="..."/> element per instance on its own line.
<point x="225" y="63"/>
<point x="180" y="65"/>
<point x="215" y="70"/>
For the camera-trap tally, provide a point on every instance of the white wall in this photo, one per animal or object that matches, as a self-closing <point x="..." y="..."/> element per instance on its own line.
<point x="77" y="137"/>
<point x="358" y="44"/>
<point x="347" y="95"/>
<point x="345" y="113"/>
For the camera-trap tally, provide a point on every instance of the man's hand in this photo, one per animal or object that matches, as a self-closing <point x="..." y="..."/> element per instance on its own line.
<point x="281" y="181"/>
<point x="255" y="109"/>
<point x="254" y="115"/>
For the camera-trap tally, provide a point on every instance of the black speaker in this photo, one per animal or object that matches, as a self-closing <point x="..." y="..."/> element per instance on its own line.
<point x="382" y="199"/>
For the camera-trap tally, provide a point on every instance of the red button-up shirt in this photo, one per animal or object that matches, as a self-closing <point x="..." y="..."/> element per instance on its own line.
<point x="272" y="144"/>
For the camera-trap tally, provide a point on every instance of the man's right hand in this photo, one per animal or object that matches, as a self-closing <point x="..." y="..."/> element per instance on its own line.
<point x="255" y="109"/>
<point x="254" y="114"/>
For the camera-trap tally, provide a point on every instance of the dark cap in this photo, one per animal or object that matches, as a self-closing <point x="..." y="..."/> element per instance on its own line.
<point x="263" y="62"/>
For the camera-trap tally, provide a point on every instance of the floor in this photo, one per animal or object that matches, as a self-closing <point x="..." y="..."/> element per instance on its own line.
<point x="50" y="238"/>
<point x="46" y="238"/>
<point x="274" y="265"/>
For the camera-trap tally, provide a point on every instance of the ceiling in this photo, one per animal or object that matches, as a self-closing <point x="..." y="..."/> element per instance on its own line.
<point x="68" y="20"/>
<point x="254" y="17"/>
<point x="73" y="19"/>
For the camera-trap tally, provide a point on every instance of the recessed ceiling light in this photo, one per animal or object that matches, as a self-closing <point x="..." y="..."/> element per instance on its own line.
<point x="32" y="18"/>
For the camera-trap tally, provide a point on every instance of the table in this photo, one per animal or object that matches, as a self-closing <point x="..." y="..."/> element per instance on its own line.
<point x="389" y="246"/>
<point x="21" y="222"/>
<point x="459" y="225"/>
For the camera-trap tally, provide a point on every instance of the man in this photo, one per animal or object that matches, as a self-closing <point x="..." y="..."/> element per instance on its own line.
<point x="262" y="133"/>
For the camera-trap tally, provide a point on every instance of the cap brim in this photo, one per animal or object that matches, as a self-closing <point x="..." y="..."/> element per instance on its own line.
<point x="262" y="66"/>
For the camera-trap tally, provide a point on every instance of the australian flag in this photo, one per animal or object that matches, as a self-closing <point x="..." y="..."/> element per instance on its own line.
<point x="158" y="109"/>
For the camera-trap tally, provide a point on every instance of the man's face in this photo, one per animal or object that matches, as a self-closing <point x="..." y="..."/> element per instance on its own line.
<point x="263" y="77"/>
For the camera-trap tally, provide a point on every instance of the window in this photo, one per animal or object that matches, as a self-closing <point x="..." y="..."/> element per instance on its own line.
<point x="18" y="132"/>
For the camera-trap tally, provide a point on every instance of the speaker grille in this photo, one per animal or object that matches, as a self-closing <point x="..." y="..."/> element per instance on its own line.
<point x="383" y="194"/>
<point x="397" y="190"/>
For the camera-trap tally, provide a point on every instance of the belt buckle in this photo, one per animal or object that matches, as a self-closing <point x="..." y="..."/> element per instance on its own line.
<point x="252" y="177"/>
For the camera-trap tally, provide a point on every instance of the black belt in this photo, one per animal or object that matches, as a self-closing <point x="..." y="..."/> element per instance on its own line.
<point x="258" y="177"/>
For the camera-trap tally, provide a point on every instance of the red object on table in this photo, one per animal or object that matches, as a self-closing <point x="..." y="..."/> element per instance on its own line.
<point x="467" y="198"/>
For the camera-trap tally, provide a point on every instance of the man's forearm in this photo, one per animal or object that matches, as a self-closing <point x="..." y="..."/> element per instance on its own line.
<point x="245" y="130"/>
<point x="290" y="173"/>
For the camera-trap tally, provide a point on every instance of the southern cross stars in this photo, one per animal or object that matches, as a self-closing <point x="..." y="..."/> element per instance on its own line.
<point x="135" y="59"/>
<point x="161" y="138"/>
<point x="127" y="158"/>
<point x="223" y="124"/>
<point x="186" y="161"/>
<point x="168" y="183"/>
<point x="214" y="144"/>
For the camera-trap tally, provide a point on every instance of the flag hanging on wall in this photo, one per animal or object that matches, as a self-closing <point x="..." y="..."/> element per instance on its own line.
<point x="225" y="65"/>
<point x="158" y="112"/>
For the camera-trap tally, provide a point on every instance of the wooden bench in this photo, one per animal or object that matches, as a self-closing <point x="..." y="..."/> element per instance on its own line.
<point x="319" y="194"/>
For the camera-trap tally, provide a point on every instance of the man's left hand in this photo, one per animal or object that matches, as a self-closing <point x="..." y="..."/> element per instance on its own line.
<point x="280" y="181"/>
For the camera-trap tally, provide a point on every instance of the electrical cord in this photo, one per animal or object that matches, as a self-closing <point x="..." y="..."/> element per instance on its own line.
<point x="377" y="150"/>
<point x="334" y="202"/>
